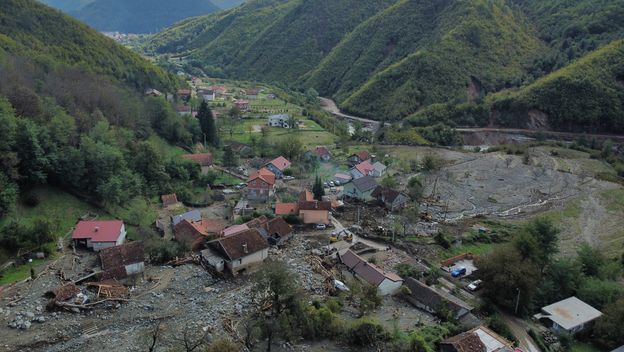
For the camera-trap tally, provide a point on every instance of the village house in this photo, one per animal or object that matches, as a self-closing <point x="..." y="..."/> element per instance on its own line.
<point x="99" y="234"/>
<point x="152" y="93"/>
<point x="236" y="252"/>
<point x="219" y="90"/>
<point x="192" y="234"/>
<point x="379" y="169"/>
<point x="276" y="231"/>
<point x="243" y="208"/>
<point x="206" y="94"/>
<point x="432" y="299"/>
<point x="184" y="93"/>
<point x="280" y="120"/>
<point x="124" y="260"/>
<point x="203" y="159"/>
<point x="343" y="177"/>
<point x="242" y="105"/>
<point x="278" y="165"/>
<point x="387" y="283"/>
<point x="478" y="339"/>
<point x="361" y="188"/>
<point x="362" y="169"/>
<point x="570" y="315"/>
<point x="358" y="157"/>
<point x="260" y="185"/>
<point x="322" y="153"/>
<point x="391" y="199"/>
<point x="252" y="93"/>
<point x="191" y="216"/>
<point x="309" y="210"/>
<point x="169" y="199"/>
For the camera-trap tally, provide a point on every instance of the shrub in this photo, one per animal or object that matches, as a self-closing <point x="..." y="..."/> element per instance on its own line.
<point x="161" y="251"/>
<point x="365" y="332"/>
<point x="31" y="199"/>
<point x="442" y="240"/>
<point x="497" y="324"/>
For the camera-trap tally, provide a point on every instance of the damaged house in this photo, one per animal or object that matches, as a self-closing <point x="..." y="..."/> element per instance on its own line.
<point x="122" y="261"/>
<point x="309" y="210"/>
<point x="435" y="300"/>
<point x="236" y="252"/>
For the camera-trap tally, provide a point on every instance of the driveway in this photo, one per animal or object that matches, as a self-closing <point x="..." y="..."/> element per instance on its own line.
<point x="519" y="328"/>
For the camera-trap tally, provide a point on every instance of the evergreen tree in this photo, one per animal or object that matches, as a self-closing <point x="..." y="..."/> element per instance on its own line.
<point x="229" y="159"/>
<point x="207" y="124"/>
<point x="318" y="189"/>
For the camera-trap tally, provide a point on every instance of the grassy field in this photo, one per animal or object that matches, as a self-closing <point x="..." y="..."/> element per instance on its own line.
<point x="165" y="149"/>
<point x="311" y="134"/>
<point x="21" y="272"/>
<point x="583" y="347"/>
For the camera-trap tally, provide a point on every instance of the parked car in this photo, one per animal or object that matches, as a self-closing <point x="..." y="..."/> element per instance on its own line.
<point x="475" y="285"/>
<point x="320" y="226"/>
<point x="337" y="182"/>
<point x="289" y="178"/>
<point x="458" y="272"/>
<point x="331" y="184"/>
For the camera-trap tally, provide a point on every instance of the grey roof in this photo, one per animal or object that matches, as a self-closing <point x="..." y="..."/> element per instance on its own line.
<point x="365" y="184"/>
<point x="433" y="297"/>
<point x="570" y="313"/>
<point x="619" y="349"/>
<point x="379" y="166"/>
<point x="192" y="216"/>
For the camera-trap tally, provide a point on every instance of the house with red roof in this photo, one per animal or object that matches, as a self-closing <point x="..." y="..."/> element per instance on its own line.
<point x="322" y="153"/>
<point x="242" y="105"/>
<point x="99" y="234"/>
<point x="204" y="160"/>
<point x="260" y="185"/>
<point x="278" y="165"/>
<point x="359" y="157"/>
<point x="386" y="282"/>
<point x="362" y="169"/>
<point x="192" y="234"/>
<point x="309" y="210"/>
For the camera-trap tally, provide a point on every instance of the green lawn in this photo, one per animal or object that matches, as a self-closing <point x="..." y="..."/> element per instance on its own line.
<point x="477" y="248"/>
<point x="21" y="272"/>
<point x="583" y="347"/>
<point x="311" y="135"/>
<point x="165" y="149"/>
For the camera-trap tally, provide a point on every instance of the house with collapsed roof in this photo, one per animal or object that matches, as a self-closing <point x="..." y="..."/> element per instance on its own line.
<point x="192" y="216"/>
<point x="391" y="199"/>
<point x="435" y="300"/>
<point x="478" y="339"/>
<point x="309" y="210"/>
<point x="99" y="234"/>
<point x="260" y="185"/>
<point x="387" y="282"/>
<point x="322" y="153"/>
<point x="124" y="260"/>
<point x="570" y="315"/>
<point x="361" y="188"/>
<point x="235" y="253"/>
<point x="169" y="199"/>
<point x="204" y="160"/>
<point x="278" y="165"/>
<point x="276" y="231"/>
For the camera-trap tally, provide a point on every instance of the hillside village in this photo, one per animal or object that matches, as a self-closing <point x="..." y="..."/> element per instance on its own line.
<point x="344" y="221"/>
<point x="284" y="175"/>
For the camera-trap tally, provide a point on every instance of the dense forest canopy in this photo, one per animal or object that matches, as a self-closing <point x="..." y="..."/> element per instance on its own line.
<point x="388" y="60"/>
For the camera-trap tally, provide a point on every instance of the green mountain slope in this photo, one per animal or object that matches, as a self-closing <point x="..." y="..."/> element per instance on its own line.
<point x="30" y="29"/>
<point x="139" y="16"/>
<point x="275" y="40"/>
<point x="587" y="95"/>
<point x="421" y="52"/>
<point x="66" y="5"/>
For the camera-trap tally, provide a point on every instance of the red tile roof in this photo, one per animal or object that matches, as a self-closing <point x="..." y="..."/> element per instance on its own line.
<point x="363" y="155"/>
<point x="280" y="162"/>
<point x="306" y="196"/>
<point x="321" y="151"/>
<point x="126" y="254"/>
<point x="286" y="208"/>
<point x="98" y="231"/>
<point x="169" y="199"/>
<point x="365" y="167"/>
<point x="315" y="205"/>
<point x="204" y="159"/>
<point x="264" y="174"/>
<point x="278" y="226"/>
<point x="228" y="231"/>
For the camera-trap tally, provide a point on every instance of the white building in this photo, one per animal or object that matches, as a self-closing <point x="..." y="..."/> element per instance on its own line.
<point x="237" y="251"/>
<point x="100" y="234"/>
<point x="281" y="120"/>
<point x="570" y="315"/>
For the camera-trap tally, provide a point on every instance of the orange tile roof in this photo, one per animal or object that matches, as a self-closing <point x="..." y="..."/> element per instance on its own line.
<point x="263" y="174"/>
<point x="280" y="162"/>
<point x="286" y="208"/>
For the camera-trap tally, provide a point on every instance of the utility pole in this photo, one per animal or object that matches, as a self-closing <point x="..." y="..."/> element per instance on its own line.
<point x="517" y="300"/>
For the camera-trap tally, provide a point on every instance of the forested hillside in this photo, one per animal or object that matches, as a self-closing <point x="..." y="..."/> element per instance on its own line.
<point x="434" y="61"/>
<point x="139" y="16"/>
<point x="66" y="5"/>
<point x="73" y="116"/>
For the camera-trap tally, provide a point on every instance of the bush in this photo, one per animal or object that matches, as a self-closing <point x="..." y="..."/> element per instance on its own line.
<point x="497" y="324"/>
<point x="442" y="241"/>
<point x="31" y="199"/>
<point x="161" y="251"/>
<point x="365" y="332"/>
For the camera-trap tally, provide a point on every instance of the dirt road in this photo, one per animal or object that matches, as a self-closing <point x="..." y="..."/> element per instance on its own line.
<point x="378" y="246"/>
<point x="518" y="328"/>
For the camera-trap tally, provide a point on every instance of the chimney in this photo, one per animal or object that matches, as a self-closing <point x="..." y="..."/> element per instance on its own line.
<point x="245" y="248"/>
